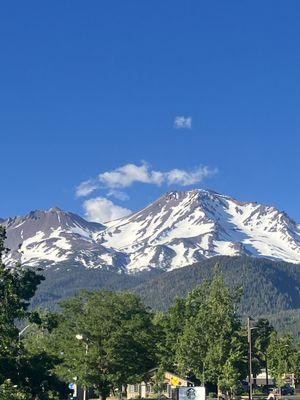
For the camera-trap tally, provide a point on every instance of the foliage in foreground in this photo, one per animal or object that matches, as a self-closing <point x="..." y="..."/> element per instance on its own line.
<point x="200" y="336"/>
<point x="22" y="375"/>
<point x="206" y="337"/>
<point x="103" y="339"/>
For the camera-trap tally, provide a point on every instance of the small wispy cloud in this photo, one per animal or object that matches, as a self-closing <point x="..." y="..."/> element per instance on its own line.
<point x="125" y="176"/>
<point x="182" y="122"/>
<point x="86" y="187"/>
<point x="118" y="194"/>
<point x="186" y="178"/>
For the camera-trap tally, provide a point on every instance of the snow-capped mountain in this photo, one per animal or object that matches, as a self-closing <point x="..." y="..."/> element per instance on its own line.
<point x="178" y="229"/>
<point x="53" y="236"/>
<point x="181" y="228"/>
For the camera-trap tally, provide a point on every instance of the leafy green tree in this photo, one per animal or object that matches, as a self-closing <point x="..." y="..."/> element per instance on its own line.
<point x="22" y="375"/>
<point x="36" y="373"/>
<point x="158" y="381"/>
<point x="116" y="340"/>
<point x="9" y="391"/>
<point x="282" y="356"/>
<point x="17" y="287"/>
<point x="211" y="340"/>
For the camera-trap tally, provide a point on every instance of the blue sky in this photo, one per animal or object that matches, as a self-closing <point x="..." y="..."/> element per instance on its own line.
<point x="90" y="87"/>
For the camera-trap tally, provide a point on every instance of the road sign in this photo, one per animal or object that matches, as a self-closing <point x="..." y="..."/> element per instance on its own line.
<point x="174" y="381"/>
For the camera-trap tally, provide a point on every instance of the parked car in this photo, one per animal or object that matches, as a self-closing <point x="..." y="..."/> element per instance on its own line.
<point x="268" y="389"/>
<point x="287" y="390"/>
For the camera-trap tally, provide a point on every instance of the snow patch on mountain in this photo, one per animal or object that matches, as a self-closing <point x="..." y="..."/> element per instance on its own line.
<point x="181" y="228"/>
<point x="178" y="229"/>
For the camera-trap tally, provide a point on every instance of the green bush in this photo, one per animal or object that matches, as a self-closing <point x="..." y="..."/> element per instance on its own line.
<point x="8" y="391"/>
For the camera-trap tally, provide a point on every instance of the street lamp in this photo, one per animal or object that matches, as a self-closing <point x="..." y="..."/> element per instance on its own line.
<point x="82" y="338"/>
<point x="21" y="333"/>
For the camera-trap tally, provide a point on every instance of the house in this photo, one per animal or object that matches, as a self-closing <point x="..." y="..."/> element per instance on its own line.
<point x="146" y="388"/>
<point x="261" y="378"/>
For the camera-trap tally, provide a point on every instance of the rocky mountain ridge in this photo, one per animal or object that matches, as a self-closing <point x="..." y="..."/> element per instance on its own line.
<point x="178" y="229"/>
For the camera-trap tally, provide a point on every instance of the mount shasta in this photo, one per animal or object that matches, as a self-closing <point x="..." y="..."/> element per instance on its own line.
<point x="178" y="229"/>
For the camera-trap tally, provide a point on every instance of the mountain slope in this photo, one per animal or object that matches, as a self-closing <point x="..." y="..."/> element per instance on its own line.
<point x="72" y="277"/>
<point x="287" y="321"/>
<point x="181" y="228"/>
<point x="54" y="236"/>
<point x="268" y="286"/>
<point x="178" y="229"/>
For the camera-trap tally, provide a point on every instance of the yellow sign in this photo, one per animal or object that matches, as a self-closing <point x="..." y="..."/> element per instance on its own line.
<point x="174" y="381"/>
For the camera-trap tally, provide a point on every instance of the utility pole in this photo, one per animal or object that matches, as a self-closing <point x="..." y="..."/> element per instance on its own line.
<point x="250" y="356"/>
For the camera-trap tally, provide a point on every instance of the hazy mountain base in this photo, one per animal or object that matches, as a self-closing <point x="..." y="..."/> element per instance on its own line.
<point x="270" y="288"/>
<point x="65" y="280"/>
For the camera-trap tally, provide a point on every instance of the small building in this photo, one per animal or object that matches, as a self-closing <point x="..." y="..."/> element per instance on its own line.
<point x="261" y="379"/>
<point x="146" y="388"/>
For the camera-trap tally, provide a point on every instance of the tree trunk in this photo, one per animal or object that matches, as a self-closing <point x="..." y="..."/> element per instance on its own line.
<point x="267" y="372"/>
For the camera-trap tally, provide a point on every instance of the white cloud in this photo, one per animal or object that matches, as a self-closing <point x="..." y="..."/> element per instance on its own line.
<point x="85" y="188"/>
<point x="118" y="194"/>
<point x="127" y="175"/>
<point x="186" y="178"/>
<point x="103" y="210"/>
<point x="181" y="122"/>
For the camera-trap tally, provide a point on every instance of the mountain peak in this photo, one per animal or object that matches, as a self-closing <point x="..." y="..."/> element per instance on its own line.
<point x="178" y="229"/>
<point x="55" y="209"/>
<point x="183" y="227"/>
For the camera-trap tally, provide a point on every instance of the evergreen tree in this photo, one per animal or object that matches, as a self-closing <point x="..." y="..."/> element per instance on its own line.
<point x="261" y="337"/>
<point x="210" y="343"/>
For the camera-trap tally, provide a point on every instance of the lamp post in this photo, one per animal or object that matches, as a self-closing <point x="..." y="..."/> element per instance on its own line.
<point x="81" y="337"/>
<point x="20" y="334"/>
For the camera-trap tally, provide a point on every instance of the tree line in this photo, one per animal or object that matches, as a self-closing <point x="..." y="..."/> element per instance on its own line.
<point x="105" y="340"/>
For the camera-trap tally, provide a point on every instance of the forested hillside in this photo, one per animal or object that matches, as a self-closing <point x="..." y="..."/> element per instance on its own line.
<point x="268" y="286"/>
<point x="65" y="281"/>
<point x="286" y="322"/>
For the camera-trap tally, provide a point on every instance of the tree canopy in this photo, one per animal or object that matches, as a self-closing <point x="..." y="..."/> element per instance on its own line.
<point x="104" y="340"/>
<point x="205" y="336"/>
<point x="22" y="375"/>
